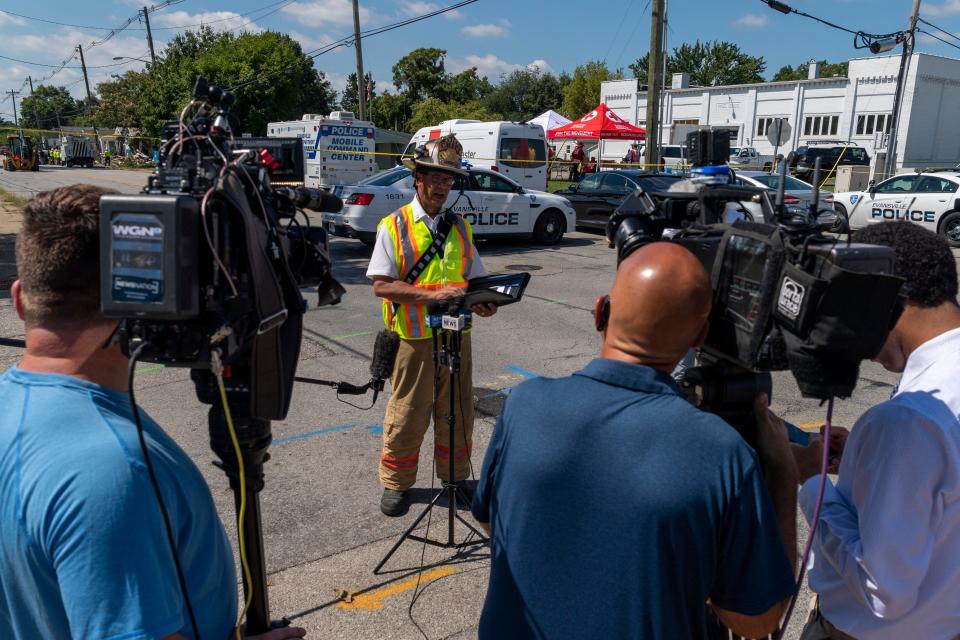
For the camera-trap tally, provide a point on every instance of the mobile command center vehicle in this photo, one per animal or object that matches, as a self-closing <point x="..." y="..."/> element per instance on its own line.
<point x="338" y="149"/>
<point x="494" y="205"/>
<point x="930" y="199"/>
<point x="518" y="151"/>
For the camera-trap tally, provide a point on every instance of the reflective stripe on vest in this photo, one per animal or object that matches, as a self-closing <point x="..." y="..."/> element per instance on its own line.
<point x="410" y="239"/>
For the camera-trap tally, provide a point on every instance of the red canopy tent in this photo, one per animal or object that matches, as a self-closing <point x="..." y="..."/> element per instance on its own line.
<point x="599" y="124"/>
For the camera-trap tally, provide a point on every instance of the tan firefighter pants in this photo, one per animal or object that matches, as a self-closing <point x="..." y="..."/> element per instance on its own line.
<point x="409" y="411"/>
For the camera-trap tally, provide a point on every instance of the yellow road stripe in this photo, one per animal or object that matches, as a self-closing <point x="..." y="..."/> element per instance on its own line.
<point x="373" y="599"/>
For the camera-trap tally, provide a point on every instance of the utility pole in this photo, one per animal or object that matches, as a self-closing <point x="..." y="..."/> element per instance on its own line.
<point x="146" y="21"/>
<point x="651" y="154"/>
<point x="86" y="80"/>
<point x="30" y="80"/>
<point x="890" y="166"/>
<point x="361" y="79"/>
<point x="16" y="120"/>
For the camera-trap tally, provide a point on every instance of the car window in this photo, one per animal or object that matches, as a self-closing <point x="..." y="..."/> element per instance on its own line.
<point x="491" y="182"/>
<point x="672" y="152"/>
<point x="897" y="184"/>
<point x="734" y="151"/>
<point x="590" y="182"/>
<point x="773" y="182"/>
<point x="461" y="183"/>
<point x="653" y="184"/>
<point x="856" y="154"/>
<point x="523" y="152"/>
<point x="386" y="178"/>
<point x="931" y="184"/>
<point x="614" y="182"/>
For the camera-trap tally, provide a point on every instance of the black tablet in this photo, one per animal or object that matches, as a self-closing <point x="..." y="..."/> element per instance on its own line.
<point x="500" y="289"/>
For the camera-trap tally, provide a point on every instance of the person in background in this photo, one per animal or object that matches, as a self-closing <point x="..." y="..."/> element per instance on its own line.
<point x="577" y="157"/>
<point x="632" y="157"/>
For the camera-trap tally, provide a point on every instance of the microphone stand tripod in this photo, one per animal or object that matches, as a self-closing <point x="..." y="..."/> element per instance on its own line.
<point x="446" y="352"/>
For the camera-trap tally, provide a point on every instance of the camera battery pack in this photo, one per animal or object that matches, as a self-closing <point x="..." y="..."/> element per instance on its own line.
<point x="148" y="256"/>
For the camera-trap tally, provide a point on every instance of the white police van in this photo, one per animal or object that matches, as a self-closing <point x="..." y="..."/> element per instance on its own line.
<point x="517" y="150"/>
<point x="930" y="199"/>
<point x="494" y="205"/>
<point x="338" y="149"/>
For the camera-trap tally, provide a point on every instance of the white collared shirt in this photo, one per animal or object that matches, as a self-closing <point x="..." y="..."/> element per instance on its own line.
<point x="383" y="262"/>
<point x="886" y="560"/>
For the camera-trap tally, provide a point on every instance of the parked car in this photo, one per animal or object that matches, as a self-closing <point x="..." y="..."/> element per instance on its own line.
<point x="804" y="158"/>
<point x="494" y="205"/>
<point x="743" y="158"/>
<point x="597" y="195"/>
<point x="930" y="199"/>
<point x="797" y="195"/>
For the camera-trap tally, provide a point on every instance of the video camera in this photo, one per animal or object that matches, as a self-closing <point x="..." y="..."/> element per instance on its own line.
<point x="785" y="295"/>
<point x="212" y="254"/>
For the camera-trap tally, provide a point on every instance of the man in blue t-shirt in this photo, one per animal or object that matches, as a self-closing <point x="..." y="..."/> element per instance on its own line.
<point x="83" y="551"/>
<point x="617" y="509"/>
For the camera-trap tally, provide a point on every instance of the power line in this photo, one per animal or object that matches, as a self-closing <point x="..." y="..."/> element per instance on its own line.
<point x="348" y="40"/>
<point x="941" y="29"/>
<point x="950" y="44"/>
<point x="61" y="66"/>
<point x="208" y="22"/>
<point x="785" y="9"/>
<point x="131" y="20"/>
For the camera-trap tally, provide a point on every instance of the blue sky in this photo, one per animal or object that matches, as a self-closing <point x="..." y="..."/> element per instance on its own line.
<point x="493" y="35"/>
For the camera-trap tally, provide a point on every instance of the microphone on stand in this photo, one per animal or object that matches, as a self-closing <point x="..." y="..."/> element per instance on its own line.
<point x="385" y="350"/>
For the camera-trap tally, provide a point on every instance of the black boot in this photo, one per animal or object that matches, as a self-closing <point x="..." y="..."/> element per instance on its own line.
<point x="393" y="503"/>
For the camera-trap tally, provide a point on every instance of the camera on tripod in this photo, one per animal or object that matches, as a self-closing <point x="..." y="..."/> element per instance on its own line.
<point x="785" y="295"/>
<point x="214" y="251"/>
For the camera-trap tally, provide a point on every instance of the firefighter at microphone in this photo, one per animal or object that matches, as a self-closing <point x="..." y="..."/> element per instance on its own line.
<point x="403" y="237"/>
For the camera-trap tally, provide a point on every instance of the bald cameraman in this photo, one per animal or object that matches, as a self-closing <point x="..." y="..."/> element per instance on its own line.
<point x="83" y="550"/>
<point x="617" y="509"/>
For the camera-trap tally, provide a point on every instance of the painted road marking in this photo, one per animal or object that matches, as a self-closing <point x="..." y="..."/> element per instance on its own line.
<point x="318" y="432"/>
<point x="503" y="391"/>
<point x="373" y="599"/>
<point x="810" y="426"/>
<point x="523" y="372"/>
<point x="551" y="301"/>
<point x="355" y="334"/>
<point x="155" y="367"/>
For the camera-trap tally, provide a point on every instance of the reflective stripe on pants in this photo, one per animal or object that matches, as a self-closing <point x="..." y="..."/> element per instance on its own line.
<point x="409" y="411"/>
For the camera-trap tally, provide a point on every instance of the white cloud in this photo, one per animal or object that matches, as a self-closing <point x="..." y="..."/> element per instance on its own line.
<point x="325" y="13"/>
<point x="309" y="42"/>
<point x="500" y="30"/>
<point x="6" y="18"/>
<point x="752" y="21"/>
<point x="415" y="8"/>
<point x="493" y="67"/>
<point x="216" y="20"/>
<point x="948" y="8"/>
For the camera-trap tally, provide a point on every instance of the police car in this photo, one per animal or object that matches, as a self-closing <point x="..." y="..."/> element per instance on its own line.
<point x="494" y="205"/>
<point x="930" y="199"/>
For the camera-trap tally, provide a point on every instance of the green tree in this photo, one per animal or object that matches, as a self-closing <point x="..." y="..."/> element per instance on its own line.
<point x="434" y="110"/>
<point x="827" y="70"/>
<point x="44" y="106"/>
<point x="465" y="86"/>
<point x="709" y="64"/>
<point x="420" y="73"/>
<point x="274" y="80"/>
<point x="581" y="94"/>
<point x="525" y="93"/>
<point x="389" y="111"/>
<point x="350" y="98"/>
<point x="117" y="103"/>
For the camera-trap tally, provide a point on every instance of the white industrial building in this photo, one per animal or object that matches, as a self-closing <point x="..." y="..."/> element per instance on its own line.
<point x="857" y="108"/>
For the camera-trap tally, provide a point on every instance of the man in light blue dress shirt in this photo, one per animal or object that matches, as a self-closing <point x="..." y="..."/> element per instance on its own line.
<point x="886" y="558"/>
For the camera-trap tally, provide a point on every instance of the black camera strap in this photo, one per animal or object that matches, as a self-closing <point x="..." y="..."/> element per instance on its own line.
<point x="436" y="248"/>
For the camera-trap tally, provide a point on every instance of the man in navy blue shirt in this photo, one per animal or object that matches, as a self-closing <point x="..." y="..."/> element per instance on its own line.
<point x="619" y="510"/>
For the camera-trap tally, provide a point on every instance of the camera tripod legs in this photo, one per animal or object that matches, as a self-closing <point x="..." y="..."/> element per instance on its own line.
<point x="449" y="357"/>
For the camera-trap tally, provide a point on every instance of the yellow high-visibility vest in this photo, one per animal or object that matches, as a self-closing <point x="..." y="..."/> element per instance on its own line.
<point x="410" y="239"/>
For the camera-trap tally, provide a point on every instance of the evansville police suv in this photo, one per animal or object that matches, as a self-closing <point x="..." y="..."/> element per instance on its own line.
<point x="494" y="205"/>
<point x="930" y="199"/>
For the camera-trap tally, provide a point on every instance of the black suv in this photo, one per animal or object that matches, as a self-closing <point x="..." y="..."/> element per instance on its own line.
<point x="804" y="157"/>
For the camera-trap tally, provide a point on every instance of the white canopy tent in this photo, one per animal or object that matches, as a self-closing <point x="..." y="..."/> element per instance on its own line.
<point x="549" y="119"/>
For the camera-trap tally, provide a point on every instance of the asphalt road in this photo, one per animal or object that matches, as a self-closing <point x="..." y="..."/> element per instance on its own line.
<point x="27" y="183"/>
<point x="323" y="530"/>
